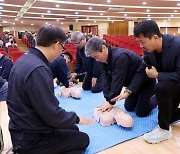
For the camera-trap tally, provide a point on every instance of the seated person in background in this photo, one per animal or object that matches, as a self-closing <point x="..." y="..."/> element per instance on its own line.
<point x="38" y="125"/>
<point x="3" y="89"/>
<point x="5" y="66"/>
<point x="119" y="67"/>
<point x="2" y="45"/>
<point x="11" y="40"/>
<point x="86" y="68"/>
<point x="13" y="45"/>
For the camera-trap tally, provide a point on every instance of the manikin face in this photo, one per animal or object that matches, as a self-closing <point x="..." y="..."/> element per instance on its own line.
<point x="148" y="44"/>
<point x="100" y="56"/>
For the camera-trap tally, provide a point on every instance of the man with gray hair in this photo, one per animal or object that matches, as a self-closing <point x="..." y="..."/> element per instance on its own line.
<point x="86" y="68"/>
<point x="119" y="68"/>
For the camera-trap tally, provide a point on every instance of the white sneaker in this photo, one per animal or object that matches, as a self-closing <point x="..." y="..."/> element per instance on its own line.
<point x="157" y="135"/>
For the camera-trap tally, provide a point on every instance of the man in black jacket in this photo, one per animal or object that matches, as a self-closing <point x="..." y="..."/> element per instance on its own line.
<point x="119" y="67"/>
<point x="89" y="69"/>
<point x="164" y="54"/>
<point x="37" y="123"/>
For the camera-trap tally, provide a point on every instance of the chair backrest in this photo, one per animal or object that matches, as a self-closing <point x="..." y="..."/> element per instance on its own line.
<point x="16" y="55"/>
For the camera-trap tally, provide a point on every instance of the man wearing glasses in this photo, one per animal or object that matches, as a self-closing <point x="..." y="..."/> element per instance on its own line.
<point x="37" y="123"/>
<point x="86" y="68"/>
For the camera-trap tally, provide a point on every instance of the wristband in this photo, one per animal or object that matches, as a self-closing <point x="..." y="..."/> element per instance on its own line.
<point x="128" y="91"/>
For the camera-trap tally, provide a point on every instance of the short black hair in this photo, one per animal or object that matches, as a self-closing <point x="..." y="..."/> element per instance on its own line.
<point x="68" y="54"/>
<point x="49" y="34"/>
<point x="148" y="28"/>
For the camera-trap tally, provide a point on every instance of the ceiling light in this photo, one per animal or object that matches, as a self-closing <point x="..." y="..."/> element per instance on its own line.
<point x="13" y="23"/>
<point x="57" y="20"/>
<point x="149" y="19"/>
<point x="169" y="19"/>
<point x="172" y="15"/>
<point x="94" y="20"/>
<point x="42" y="16"/>
<point x="48" y="11"/>
<point x="62" y="23"/>
<point x="101" y="14"/>
<point x="22" y="22"/>
<point x="90" y="8"/>
<point x="178" y="4"/>
<point x="89" y="24"/>
<point x="175" y="10"/>
<point x="76" y="13"/>
<point x="46" y="23"/>
<point x="5" y="21"/>
<point x="109" y="1"/>
<point x="32" y="24"/>
<point x="16" y="19"/>
<point x="57" y="5"/>
<point x="1" y="0"/>
<point x="114" y="9"/>
<point x="144" y="3"/>
<point x="147" y="10"/>
<point x="1" y="7"/>
<point x="148" y="15"/>
<point x="125" y="15"/>
<point x="164" y="20"/>
<point x="108" y="18"/>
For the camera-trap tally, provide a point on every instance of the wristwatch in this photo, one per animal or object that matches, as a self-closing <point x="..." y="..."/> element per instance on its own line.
<point x="128" y="91"/>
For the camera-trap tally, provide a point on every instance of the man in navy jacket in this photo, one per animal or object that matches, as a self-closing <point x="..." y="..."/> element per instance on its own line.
<point x="164" y="55"/>
<point x="118" y="69"/>
<point x="37" y="123"/>
<point x="87" y="66"/>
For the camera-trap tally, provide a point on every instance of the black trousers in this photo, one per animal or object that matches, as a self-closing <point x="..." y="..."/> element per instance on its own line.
<point x="60" y="142"/>
<point x="168" y="98"/>
<point x="87" y="84"/>
<point x="141" y="101"/>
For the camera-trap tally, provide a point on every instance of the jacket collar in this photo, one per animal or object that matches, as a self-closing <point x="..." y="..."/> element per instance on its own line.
<point x="39" y="54"/>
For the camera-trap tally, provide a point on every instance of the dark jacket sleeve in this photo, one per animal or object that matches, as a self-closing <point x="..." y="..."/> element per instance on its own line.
<point x="96" y="69"/>
<point x="138" y="79"/>
<point x="58" y="68"/>
<point x="113" y="86"/>
<point x="44" y="102"/>
<point x="173" y="75"/>
<point x="7" y="68"/>
<point x="79" y="63"/>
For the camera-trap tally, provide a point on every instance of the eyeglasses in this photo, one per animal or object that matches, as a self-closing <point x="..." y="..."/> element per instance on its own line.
<point x="62" y="46"/>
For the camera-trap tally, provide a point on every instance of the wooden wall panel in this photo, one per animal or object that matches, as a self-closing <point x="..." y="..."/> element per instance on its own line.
<point x="118" y="28"/>
<point x="170" y="30"/>
<point x="1" y="30"/>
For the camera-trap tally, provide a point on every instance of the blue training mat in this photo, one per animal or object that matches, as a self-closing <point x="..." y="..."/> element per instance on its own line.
<point x="101" y="137"/>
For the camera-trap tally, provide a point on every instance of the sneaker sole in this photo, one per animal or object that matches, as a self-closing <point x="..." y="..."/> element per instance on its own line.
<point x="155" y="142"/>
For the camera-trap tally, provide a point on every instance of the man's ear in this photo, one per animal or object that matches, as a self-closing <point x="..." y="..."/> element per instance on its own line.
<point x="103" y="47"/>
<point x="156" y="36"/>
